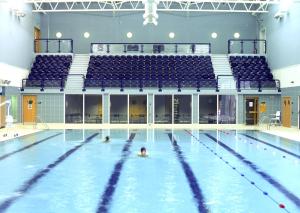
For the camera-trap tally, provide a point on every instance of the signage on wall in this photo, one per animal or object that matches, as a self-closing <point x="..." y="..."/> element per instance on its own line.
<point x="30" y="102"/>
<point x="263" y="107"/>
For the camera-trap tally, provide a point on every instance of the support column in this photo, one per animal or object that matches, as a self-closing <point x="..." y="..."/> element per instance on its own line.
<point x="106" y="108"/>
<point x="195" y="108"/>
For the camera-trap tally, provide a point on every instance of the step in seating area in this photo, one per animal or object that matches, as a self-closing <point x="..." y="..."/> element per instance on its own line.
<point x="150" y="71"/>
<point x="49" y="71"/>
<point x="252" y="71"/>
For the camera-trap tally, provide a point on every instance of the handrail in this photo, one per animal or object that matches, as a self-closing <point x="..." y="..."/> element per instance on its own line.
<point x="159" y="83"/>
<point x="147" y="43"/>
<point x="53" y="39"/>
<point x="42" y="84"/>
<point x="83" y="78"/>
<point x="238" y="82"/>
<point x="259" y="82"/>
<point x="242" y="41"/>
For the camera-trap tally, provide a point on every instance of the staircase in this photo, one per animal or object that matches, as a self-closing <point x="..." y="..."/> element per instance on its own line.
<point x="78" y="68"/>
<point x="222" y="67"/>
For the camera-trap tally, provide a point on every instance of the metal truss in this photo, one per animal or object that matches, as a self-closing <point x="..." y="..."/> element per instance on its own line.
<point x="236" y="6"/>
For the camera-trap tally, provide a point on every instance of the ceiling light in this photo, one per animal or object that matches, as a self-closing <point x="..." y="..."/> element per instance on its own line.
<point x="214" y="35"/>
<point x="171" y="35"/>
<point x="129" y="35"/>
<point x="86" y="34"/>
<point x="236" y="35"/>
<point x="58" y="35"/>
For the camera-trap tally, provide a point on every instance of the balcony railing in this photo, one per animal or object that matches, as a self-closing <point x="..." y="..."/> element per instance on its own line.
<point x="53" y="46"/>
<point x="150" y="48"/>
<point x="143" y="83"/>
<point x="247" y="46"/>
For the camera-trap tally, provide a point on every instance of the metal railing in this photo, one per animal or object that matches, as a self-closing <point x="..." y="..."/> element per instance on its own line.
<point x="43" y="83"/>
<point x="52" y="45"/>
<point x="148" y="83"/>
<point x="153" y="48"/>
<point x="252" y="84"/>
<point x="48" y="83"/>
<point x="247" y="46"/>
<point x="258" y="84"/>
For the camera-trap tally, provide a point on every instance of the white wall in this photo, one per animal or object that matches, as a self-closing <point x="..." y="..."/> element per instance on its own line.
<point x="17" y="35"/>
<point x="288" y="74"/>
<point x="12" y="74"/>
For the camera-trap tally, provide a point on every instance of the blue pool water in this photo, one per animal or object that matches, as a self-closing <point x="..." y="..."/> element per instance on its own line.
<point x="186" y="171"/>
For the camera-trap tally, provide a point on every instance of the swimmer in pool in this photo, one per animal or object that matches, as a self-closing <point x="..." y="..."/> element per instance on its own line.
<point x="106" y="139"/>
<point x="143" y="152"/>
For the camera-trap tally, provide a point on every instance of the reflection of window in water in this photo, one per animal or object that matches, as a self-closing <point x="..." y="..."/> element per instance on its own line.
<point x="73" y="135"/>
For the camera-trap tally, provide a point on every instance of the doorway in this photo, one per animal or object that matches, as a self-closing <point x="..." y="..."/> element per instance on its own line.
<point x="29" y="109"/>
<point x="251" y="110"/>
<point x="286" y="111"/>
<point x="37" y="43"/>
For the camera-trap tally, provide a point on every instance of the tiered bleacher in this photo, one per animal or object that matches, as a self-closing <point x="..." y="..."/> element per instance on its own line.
<point x="150" y="71"/>
<point x="49" y="71"/>
<point x="253" y="70"/>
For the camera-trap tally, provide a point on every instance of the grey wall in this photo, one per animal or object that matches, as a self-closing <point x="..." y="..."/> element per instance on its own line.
<point x="187" y="28"/>
<point x="283" y="37"/>
<point x="294" y="93"/>
<point x="272" y="102"/>
<point x="51" y="108"/>
<point x="16" y="36"/>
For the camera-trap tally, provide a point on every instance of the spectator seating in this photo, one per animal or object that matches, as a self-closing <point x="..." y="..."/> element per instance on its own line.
<point x="252" y="69"/>
<point x="49" y="70"/>
<point x="150" y="71"/>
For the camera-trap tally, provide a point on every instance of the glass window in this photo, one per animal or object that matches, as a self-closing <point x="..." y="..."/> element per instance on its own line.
<point x="227" y="109"/>
<point x="74" y="109"/>
<point x="119" y="109"/>
<point x="93" y="109"/>
<point x="163" y="109"/>
<point x="138" y="109"/>
<point x="182" y="109"/>
<point x="207" y="109"/>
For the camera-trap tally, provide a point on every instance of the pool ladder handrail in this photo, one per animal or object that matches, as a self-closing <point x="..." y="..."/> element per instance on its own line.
<point x="264" y="118"/>
<point x="39" y="120"/>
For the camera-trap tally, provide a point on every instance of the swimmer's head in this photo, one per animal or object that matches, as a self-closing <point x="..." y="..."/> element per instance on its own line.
<point x="143" y="151"/>
<point x="107" y="138"/>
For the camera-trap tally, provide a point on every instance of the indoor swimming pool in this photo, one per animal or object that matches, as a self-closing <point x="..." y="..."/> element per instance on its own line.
<point x="186" y="171"/>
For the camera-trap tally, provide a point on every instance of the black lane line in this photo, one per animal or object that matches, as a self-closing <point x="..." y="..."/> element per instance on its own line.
<point x="237" y="171"/>
<point x="27" y="186"/>
<point x="111" y="186"/>
<point x="271" y="145"/>
<point x="292" y="197"/>
<point x="193" y="183"/>
<point x="27" y="147"/>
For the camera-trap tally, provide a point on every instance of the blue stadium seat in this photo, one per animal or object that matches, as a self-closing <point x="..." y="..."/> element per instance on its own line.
<point x="51" y="70"/>
<point x="150" y="71"/>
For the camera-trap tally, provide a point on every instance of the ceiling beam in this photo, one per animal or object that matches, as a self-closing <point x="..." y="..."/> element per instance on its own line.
<point x="233" y="6"/>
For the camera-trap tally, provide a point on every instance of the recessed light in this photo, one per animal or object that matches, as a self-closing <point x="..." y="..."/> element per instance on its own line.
<point x="58" y="35"/>
<point x="171" y="35"/>
<point x="129" y="35"/>
<point x="236" y="35"/>
<point x="214" y="35"/>
<point x="86" y="34"/>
